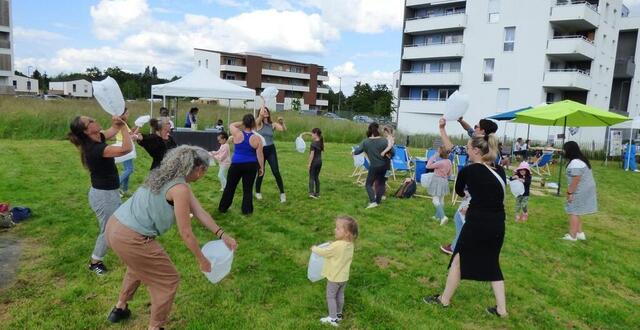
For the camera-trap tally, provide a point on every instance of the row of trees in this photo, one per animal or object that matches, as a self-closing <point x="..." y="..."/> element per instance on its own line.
<point x="377" y="100"/>
<point x="133" y="85"/>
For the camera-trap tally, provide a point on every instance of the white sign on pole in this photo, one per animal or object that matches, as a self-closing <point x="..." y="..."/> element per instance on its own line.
<point x="615" y="143"/>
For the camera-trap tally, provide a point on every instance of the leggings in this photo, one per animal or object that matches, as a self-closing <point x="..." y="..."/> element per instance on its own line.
<point x="335" y="298"/>
<point x="314" y="178"/>
<point x="438" y="202"/>
<point x="246" y="172"/>
<point x="271" y="157"/>
<point x="376" y="175"/>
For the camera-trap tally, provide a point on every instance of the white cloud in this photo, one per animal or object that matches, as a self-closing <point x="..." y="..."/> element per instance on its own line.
<point x="280" y="4"/>
<point x="632" y="2"/>
<point x="113" y="17"/>
<point x="350" y="75"/>
<point x="363" y="16"/>
<point x="24" y="34"/>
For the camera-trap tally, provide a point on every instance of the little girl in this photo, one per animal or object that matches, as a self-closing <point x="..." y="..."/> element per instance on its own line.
<point x="338" y="256"/>
<point x="439" y="187"/>
<point x="315" y="161"/>
<point x="523" y="174"/>
<point x="223" y="157"/>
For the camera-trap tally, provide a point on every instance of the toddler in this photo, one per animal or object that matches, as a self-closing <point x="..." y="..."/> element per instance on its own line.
<point x="338" y="256"/>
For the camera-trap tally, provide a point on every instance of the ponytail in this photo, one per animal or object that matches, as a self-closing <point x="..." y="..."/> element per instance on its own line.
<point x="488" y="145"/>
<point x="78" y="138"/>
<point x="318" y="132"/>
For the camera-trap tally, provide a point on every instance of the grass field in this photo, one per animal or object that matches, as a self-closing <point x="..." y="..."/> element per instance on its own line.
<point x="550" y="283"/>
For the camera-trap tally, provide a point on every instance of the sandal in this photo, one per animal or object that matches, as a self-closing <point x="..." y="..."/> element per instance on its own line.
<point x="494" y="311"/>
<point x="434" y="300"/>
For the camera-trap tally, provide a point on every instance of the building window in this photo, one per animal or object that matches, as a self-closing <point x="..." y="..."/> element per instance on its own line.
<point x="228" y="76"/>
<point x="28" y="85"/>
<point x="487" y="74"/>
<point x="494" y="11"/>
<point x="15" y="84"/>
<point x="199" y="63"/>
<point x="231" y="61"/>
<point x="74" y="88"/>
<point x="551" y="97"/>
<point x="509" y="39"/>
<point x="206" y="63"/>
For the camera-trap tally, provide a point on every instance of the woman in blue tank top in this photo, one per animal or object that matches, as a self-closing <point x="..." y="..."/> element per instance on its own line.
<point x="247" y="161"/>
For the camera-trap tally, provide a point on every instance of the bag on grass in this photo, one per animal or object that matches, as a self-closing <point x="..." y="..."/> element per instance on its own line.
<point x="6" y="221"/>
<point x="20" y="213"/>
<point x="407" y="189"/>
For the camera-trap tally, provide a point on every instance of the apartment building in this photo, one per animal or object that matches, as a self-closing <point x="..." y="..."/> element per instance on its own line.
<point x="295" y="81"/>
<point x="6" y="47"/>
<point x="510" y="54"/>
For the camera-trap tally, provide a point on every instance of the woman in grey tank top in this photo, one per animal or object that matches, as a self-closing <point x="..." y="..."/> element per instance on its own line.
<point x="165" y="198"/>
<point x="266" y="128"/>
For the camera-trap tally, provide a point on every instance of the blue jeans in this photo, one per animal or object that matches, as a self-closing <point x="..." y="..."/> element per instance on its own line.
<point x="630" y="163"/>
<point x="459" y="221"/>
<point x="124" y="177"/>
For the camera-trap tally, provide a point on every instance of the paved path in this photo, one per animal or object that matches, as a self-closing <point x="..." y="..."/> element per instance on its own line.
<point x="9" y="256"/>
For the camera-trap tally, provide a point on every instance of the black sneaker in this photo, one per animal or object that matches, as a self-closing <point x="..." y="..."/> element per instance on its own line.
<point x="434" y="300"/>
<point x="119" y="314"/>
<point x="339" y="317"/>
<point x="99" y="268"/>
<point x="494" y="311"/>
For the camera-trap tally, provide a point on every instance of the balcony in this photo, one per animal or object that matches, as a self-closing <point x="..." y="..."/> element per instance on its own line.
<point x="242" y="83"/>
<point x="571" y="48"/>
<point x="431" y="78"/>
<point x="436" y="23"/>
<point x="295" y="88"/>
<point x="423" y="106"/>
<point x="323" y="103"/>
<point x="426" y="51"/>
<point x="323" y="90"/>
<point x="567" y="79"/>
<point x="233" y="68"/>
<point x="625" y="68"/>
<point x="323" y="77"/>
<point x="287" y="74"/>
<point x="575" y="14"/>
<point x="424" y="3"/>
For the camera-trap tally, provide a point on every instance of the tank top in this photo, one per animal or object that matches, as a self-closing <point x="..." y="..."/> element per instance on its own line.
<point x="267" y="132"/>
<point x="148" y="213"/>
<point x="244" y="152"/>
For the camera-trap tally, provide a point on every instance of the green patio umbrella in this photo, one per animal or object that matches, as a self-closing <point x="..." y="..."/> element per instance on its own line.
<point x="568" y="113"/>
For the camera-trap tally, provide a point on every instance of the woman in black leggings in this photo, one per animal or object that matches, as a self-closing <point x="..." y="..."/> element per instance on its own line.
<point x="377" y="149"/>
<point x="266" y="128"/>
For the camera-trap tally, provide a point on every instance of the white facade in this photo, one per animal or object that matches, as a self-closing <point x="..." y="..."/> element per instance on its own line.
<point x="506" y="55"/>
<point x="6" y="46"/>
<point x="24" y="85"/>
<point x="74" y="88"/>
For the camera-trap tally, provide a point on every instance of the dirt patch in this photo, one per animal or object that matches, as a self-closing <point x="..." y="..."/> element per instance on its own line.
<point x="384" y="263"/>
<point x="9" y="255"/>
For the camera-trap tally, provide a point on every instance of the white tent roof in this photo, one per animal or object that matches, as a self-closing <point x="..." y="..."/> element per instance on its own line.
<point x="202" y="82"/>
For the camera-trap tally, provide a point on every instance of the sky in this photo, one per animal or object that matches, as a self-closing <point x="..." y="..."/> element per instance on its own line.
<point x="357" y="40"/>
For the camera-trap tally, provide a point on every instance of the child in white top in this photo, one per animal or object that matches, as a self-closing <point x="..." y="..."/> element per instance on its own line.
<point x="337" y="264"/>
<point x="223" y="157"/>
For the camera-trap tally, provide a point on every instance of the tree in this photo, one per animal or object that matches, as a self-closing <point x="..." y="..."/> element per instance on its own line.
<point x="93" y="73"/>
<point x="361" y="100"/>
<point x="36" y="75"/>
<point x="130" y="89"/>
<point x="295" y="104"/>
<point x="383" y="100"/>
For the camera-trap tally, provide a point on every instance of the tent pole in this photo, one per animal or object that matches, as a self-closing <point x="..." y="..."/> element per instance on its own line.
<point x="629" y="150"/>
<point x="228" y="111"/>
<point x="564" y="129"/>
<point x="151" y="110"/>
<point x="528" y="131"/>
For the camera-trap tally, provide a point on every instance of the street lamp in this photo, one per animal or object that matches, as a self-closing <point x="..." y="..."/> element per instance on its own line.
<point x="29" y="70"/>
<point x="339" y="93"/>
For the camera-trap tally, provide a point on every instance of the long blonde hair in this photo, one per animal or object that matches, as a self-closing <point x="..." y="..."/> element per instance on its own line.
<point x="177" y="163"/>
<point x="488" y="146"/>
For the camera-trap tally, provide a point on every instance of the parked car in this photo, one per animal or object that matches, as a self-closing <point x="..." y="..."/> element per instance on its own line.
<point x="333" y="116"/>
<point x="363" y="119"/>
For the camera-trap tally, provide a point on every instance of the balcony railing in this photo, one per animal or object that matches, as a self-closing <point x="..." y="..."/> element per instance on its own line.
<point x="580" y="71"/>
<point x="594" y="7"/>
<point x="5" y="44"/>
<point x="434" y="44"/>
<point x="576" y="36"/>
<point x="432" y="99"/>
<point x="456" y="12"/>
<point x="431" y="71"/>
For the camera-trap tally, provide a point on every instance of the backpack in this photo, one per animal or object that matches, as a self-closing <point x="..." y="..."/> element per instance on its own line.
<point x="407" y="189"/>
<point x="20" y="213"/>
<point x="6" y="220"/>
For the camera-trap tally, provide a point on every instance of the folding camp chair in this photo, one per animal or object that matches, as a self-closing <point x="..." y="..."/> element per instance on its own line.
<point x="400" y="162"/>
<point x="430" y="153"/>
<point x="541" y="166"/>
<point x="358" y="164"/>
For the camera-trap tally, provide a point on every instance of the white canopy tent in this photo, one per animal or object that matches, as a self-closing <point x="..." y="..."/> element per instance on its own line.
<point x="204" y="83"/>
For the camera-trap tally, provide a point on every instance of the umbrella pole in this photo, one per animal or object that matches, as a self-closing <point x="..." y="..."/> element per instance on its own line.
<point x="528" y="131"/>
<point x="564" y="129"/>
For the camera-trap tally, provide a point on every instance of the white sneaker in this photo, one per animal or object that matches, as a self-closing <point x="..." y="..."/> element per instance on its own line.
<point x="567" y="237"/>
<point x="434" y="218"/>
<point x="581" y="236"/>
<point x="372" y="205"/>
<point x="636" y="170"/>
<point x="443" y="220"/>
<point x="384" y="198"/>
<point x="259" y="196"/>
<point x="283" y="198"/>
<point x="313" y="196"/>
<point x="330" y="321"/>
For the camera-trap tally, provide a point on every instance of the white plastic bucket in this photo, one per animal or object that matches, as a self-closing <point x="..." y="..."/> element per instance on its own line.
<point x="314" y="271"/>
<point x="300" y="145"/>
<point x="221" y="259"/>
<point x="516" y="187"/>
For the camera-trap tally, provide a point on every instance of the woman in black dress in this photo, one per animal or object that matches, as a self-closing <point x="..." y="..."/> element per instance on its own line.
<point x="476" y="256"/>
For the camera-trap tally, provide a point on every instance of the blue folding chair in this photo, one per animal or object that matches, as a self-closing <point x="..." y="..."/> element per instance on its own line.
<point x="400" y="161"/>
<point x="430" y="153"/>
<point x="541" y="166"/>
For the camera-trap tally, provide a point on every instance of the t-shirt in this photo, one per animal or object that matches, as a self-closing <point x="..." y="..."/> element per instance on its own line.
<point x="526" y="183"/>
<point x="373" y="147"/>
<point x="104" y="173"/>
<point x="156" y="147"/>
<point x="338" y="256"/>
<point x="316" y="146"/>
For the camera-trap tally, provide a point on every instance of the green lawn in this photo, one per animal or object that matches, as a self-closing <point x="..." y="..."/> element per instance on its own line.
<point x="550" y="283"/>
